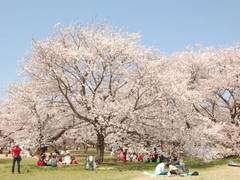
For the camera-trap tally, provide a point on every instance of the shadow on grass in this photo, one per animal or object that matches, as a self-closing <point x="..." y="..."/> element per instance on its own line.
<point x="198" y="164"/>
<point x="191" y="164"/>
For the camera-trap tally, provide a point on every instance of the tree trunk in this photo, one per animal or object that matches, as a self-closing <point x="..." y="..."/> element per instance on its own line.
<point x="100" y="148"/>
<point x="40" y="150"/>
<point x="85" y="146"/>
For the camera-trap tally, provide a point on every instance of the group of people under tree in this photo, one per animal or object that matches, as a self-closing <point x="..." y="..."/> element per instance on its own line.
<point x="151" y="156"/>
<point x="173" y="162"/>
<point x="56" y="159"/>
<point x="125" y="155"/>
<point x="175" y="168"/>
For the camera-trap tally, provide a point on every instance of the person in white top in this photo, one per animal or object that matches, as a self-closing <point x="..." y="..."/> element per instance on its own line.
<point x="67" y="159"/>
<point x="173" y="170"/>
<point x="160" y="169"/>
<point x="172" y="167"/>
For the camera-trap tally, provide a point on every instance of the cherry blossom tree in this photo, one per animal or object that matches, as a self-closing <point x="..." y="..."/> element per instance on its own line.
<point x="204" y="83"/>
<point x="98" y="85"/>
<point x="40" y="118"/>
<point x="99" y="73"/>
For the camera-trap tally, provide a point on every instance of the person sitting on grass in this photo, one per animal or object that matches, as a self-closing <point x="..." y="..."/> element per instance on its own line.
<point x="147" y="157"/>
<point x="177" y="162"/>
<point x="160" y="168"/>
<point x="43" y="157"/>
<point x="49" y="157"/>
<point x="134" y="157"/>
<point x="74" y="161"/>
<point x="121" y="155"/>
<point x="59" y="159"/>
<point x="163" y="157"/>
<point x="125" y="154"/>
<point x="182" y="167"/>
<point x="173" y="170"/>
<point x="140" y="157"/>
<point x="112" y="152"/>
<point x="67" y="159"/>
<point x="41" y="162"/>
<point x="180" y="170"/>
<point x="154" y="155"/>
<point x="174" y="160"/>
<point x="53" y="162"/>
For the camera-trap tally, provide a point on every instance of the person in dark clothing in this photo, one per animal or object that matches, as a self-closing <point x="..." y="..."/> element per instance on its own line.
<point x="125" y="155"/>
<point x="16" y="151"/>
<point x="154" y="155"/>
<point x="162" y="158"/>
<point x="174" y="160"/>
<point x="57" y="152"/>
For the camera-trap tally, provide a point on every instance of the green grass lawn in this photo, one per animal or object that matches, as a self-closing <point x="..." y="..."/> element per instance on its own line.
<point x="114" y="170"/>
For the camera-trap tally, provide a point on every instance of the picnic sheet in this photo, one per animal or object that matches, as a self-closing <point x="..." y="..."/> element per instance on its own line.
<point x="152" y="174"/>
<point x="234" y="165"/>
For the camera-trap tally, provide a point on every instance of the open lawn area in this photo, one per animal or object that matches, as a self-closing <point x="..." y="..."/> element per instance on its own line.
<point x="114" y="170"/>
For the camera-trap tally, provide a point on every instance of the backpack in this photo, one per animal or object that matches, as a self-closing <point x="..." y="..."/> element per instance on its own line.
<point x="195" y="173"/>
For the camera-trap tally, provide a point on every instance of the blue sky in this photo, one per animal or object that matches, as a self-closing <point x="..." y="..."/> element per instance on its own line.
<point x="169" y="25"/>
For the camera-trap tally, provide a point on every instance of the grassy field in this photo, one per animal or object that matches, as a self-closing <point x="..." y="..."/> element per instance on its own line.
<point x="114" y="170"/>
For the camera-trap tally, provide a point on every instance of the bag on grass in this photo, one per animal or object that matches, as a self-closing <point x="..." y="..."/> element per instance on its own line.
<point x="195" y="173"/>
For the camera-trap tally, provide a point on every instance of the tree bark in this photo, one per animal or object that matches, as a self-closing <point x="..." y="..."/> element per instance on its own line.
<point x="100" y="148"/>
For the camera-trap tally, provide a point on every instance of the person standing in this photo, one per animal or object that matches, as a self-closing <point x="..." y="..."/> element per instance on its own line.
<point x="155" y="155"/>
<point x="16" y="151"/>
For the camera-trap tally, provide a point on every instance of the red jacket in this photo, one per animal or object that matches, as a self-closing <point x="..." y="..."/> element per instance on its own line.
<point x="140" y="157"/>
<point x="74" y="162"/>
<point x="41" y="163"/>
<point x="16" y="150"/>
